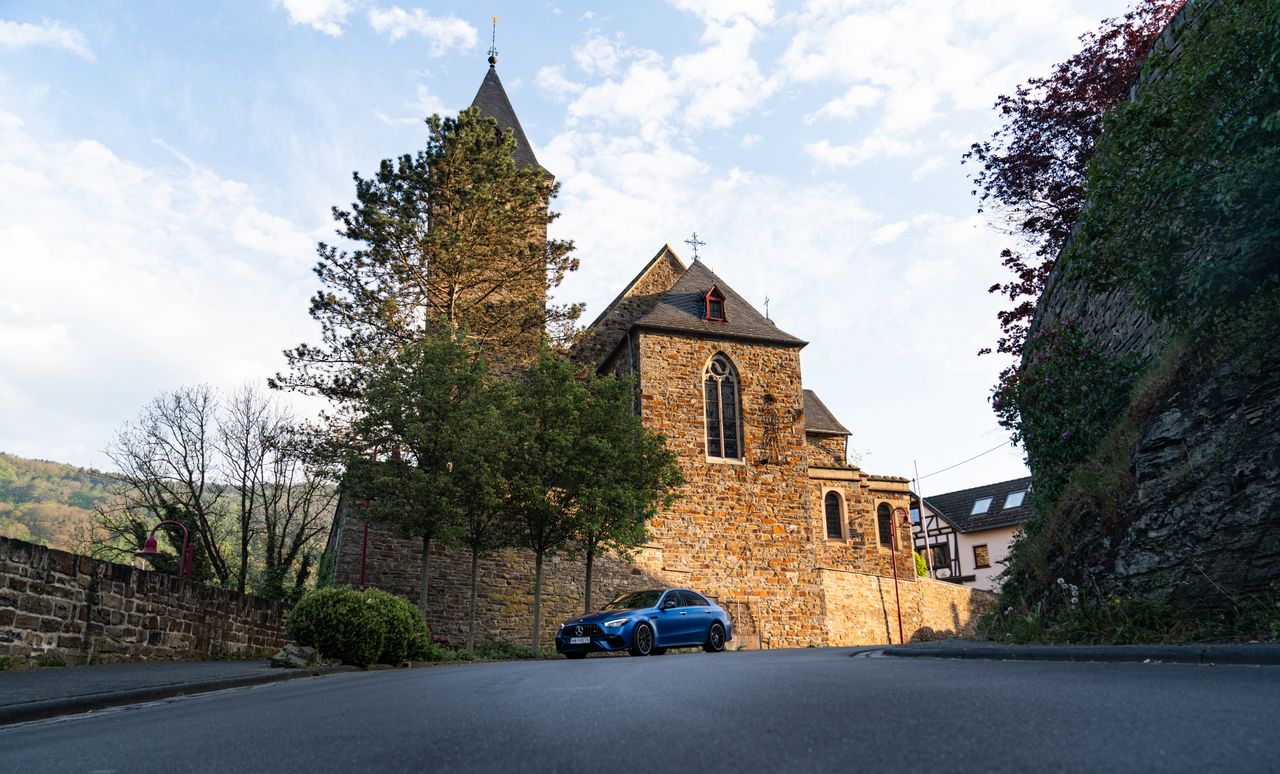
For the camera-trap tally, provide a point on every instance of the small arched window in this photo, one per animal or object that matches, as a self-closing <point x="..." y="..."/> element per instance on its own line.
<point x="884" y="522"/>
<point x="720" y="392"/>
<point x="835" y="516"/>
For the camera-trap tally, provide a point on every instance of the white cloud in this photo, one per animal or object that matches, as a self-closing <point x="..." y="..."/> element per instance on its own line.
<point x="424" y="104"/>
<point x="849" y="105"/>
<point x="720" y="11"/>
<point x="442" y="32"/>
<point x="122" y="279"/>
<point x="748" y="140"/>
<point x="598" y="56"/>
<point x="876" y="146"/>
<point x="903" y="64"/>
<point x="552" y="80"/>
<point x="327" y="16"/>
<point x="17" y="35"/>
<point x="929" y="166"/>
<point x="710" y="88"/>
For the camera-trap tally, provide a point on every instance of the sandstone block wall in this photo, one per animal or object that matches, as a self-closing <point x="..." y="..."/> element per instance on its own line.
<point x="83" y="610"/>
<point x="504" y="593"/>
<point x="743" y="531"/>
<point x="862" y="609"/>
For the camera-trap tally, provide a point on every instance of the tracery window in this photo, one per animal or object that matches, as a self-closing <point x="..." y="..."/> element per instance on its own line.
<point x="835" y="520"/>
<point x="720" y="393"/>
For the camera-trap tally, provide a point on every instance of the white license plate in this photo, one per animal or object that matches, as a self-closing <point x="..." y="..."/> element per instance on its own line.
<point x="579" y="640"/>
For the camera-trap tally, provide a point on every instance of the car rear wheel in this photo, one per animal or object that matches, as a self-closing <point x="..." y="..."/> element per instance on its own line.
<point x="575" y="655"/>
<point x="659" y="651"/>
<point x="715" y="639"/>
<point x="642" y="640"/>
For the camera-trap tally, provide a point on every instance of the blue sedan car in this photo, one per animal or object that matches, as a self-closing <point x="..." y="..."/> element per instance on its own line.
<point x="647" y="622"/>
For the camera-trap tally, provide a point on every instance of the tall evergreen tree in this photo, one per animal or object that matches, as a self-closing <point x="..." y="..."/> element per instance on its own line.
<point x="454" y="235"/>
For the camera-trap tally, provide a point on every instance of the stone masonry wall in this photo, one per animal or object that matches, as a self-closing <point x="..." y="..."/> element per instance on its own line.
<point x="1200" y="525"/>
<point x="740" y="530"/>
<point x="504" y="593"/>
<point x="83" y="610"/>
<point x="930" y="609"/>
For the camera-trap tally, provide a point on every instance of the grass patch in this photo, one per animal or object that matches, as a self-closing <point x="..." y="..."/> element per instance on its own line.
<point x="50" y="660"/>
<point x="6" y="664"/>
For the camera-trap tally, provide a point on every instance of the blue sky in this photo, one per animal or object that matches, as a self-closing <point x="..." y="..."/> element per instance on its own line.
<point x="166" y="169"/>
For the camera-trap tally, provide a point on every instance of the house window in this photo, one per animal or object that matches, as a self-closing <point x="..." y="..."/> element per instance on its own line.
<point x="884" y="522"/>
<point x="1014" y="499"/>
<point x="981" y="558"/>
<point x="715" y="304"/>
<point x="981" y="506"/>
<point x="835" y="516"/>
<point x="720" y="393"/>
<point x="940" y="556"/>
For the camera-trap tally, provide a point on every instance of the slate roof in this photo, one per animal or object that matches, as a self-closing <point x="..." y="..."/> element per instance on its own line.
<point x="818" y="419"/>
<point x="957" y="507"/>
<point x="682" y="309"/>
<point x="492" y="101"/>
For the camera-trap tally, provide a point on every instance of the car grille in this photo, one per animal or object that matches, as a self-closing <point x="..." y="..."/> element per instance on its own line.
<point x="588" y="630"/>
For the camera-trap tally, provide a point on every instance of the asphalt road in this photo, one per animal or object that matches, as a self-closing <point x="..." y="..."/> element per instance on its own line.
<point x="801" y="710"/>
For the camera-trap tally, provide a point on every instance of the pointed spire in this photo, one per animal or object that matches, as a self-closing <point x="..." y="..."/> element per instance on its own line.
<point x="491" y="100"/>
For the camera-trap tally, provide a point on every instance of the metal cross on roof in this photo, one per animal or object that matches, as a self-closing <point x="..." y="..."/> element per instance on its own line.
<point x="695" y="243"/>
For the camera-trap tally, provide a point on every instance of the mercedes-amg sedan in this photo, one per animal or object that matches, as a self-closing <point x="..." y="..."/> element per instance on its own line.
<point x="647" y="622"/>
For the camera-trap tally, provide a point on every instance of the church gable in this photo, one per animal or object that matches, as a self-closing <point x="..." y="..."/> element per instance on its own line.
<point x="636" y="300"/>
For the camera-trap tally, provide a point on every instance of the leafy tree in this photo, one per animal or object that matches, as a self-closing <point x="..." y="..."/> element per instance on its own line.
<point x="628" y="473"/>
<point x="547" y="461"/>
<point x="455" y="235"/>
<point x="1032" y="169"/>
<point x="430" y="410"/>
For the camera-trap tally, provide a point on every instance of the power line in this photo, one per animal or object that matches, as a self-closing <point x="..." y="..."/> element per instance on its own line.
<point x="961" y="462"/>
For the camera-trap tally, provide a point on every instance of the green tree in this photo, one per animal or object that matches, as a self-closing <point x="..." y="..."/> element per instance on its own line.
<point x="428" y="412"/>
<point x="627" y="474"/>
<point x="455" y="235"/>
<point x="547" y="460"/>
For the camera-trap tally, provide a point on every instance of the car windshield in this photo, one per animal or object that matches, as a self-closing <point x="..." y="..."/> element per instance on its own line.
<point x="634" y="599"/>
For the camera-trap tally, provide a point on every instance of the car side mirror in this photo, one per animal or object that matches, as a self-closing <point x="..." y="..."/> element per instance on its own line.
<point x="668" y="604"/>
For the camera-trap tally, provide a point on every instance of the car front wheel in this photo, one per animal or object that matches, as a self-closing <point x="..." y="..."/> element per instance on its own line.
<point x="715" y="639"/>
<point x="642" y="640"/>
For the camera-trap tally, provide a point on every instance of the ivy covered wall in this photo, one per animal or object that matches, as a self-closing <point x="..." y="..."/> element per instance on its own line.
<point x="1149" y="390"/>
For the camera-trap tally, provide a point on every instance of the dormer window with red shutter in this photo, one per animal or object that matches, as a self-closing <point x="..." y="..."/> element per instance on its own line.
<point x="715" y="305"/>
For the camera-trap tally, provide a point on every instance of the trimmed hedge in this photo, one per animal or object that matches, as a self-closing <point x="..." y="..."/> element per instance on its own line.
<point x="358" y="628"/>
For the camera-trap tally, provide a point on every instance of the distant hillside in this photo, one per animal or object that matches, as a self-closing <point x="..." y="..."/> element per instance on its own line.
<point x="48" y="502"/>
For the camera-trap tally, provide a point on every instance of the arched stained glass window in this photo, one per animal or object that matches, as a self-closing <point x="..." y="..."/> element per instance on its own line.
<point x="884" y="523"/>
<point x="835" y="529"/>
<point x="720" y="392"/>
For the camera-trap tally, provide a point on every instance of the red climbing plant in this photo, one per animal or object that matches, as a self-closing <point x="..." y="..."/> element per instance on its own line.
<point x="1031" y="170"/>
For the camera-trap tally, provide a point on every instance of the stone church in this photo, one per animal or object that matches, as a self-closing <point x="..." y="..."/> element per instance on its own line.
<point x="772" y="521"/>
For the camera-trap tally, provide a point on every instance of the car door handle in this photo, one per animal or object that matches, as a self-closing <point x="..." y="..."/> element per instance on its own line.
<point x="683" y="613"/>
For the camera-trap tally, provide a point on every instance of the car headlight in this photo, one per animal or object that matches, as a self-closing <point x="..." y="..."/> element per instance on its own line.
<point x="615" y="623"/>
<point x="561" y="627"/>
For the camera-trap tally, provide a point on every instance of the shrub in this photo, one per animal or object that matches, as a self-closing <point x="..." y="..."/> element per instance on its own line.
<point x="341" y="623"/>
<point x="407" y="635"/>
<point x="922" y="569"/>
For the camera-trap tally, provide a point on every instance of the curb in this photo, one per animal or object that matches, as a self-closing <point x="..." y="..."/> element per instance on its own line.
<point x="1253" y="655"/>
<point x="47" y="708"/>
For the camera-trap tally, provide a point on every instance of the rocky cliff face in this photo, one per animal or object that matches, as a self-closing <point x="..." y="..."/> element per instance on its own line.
<point x="1202" y="523"/>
